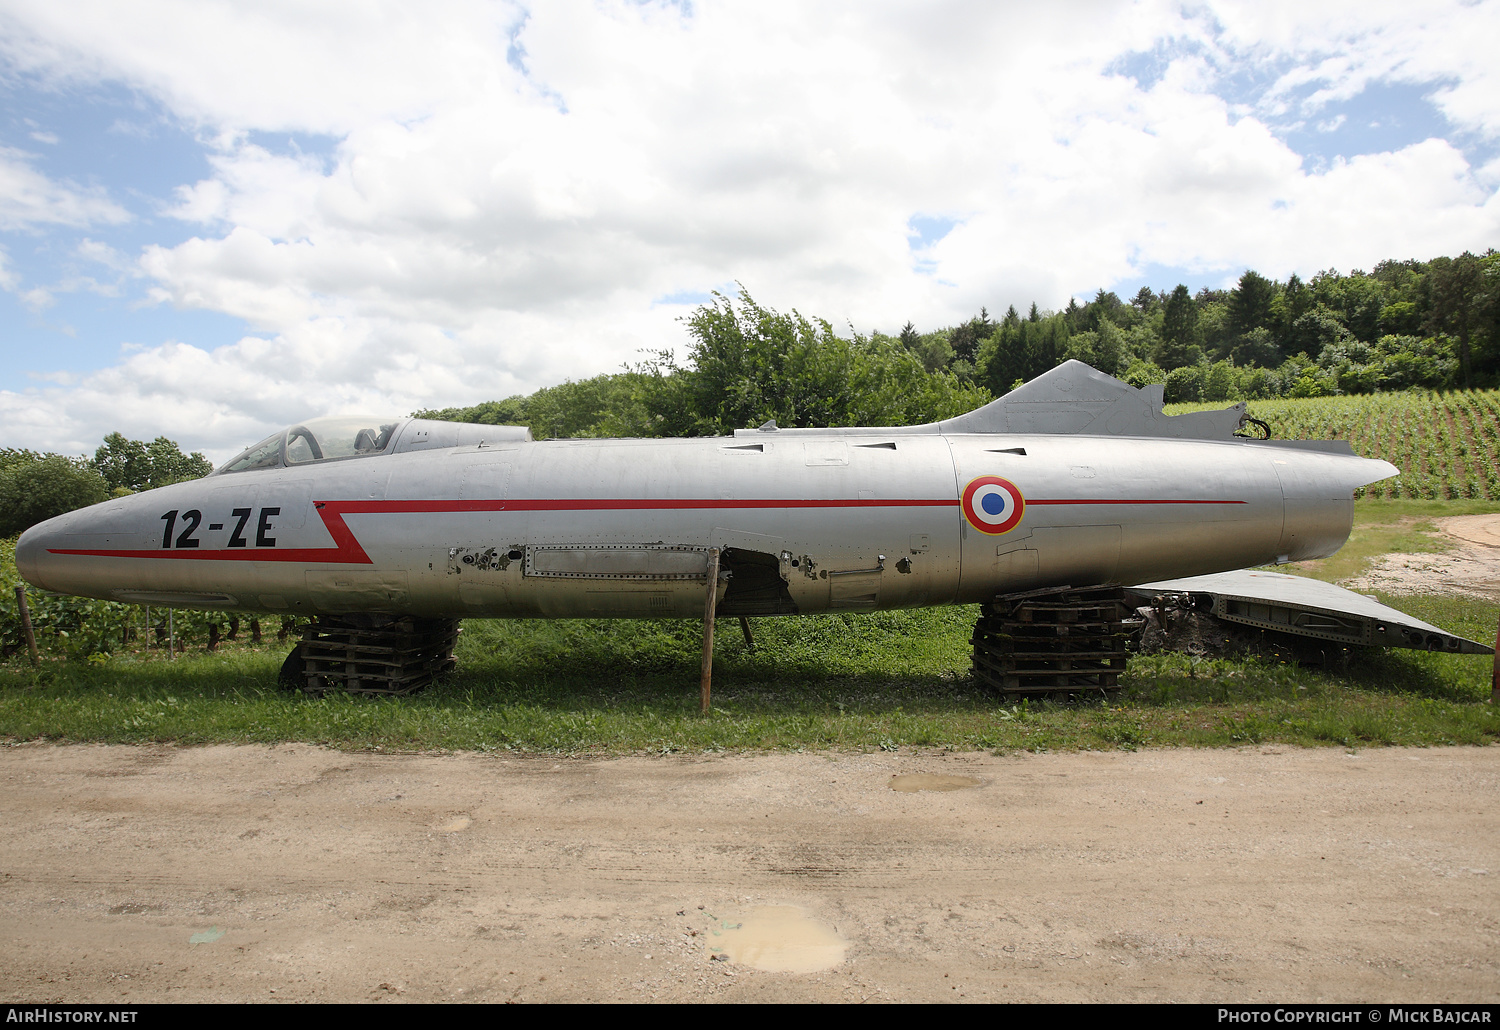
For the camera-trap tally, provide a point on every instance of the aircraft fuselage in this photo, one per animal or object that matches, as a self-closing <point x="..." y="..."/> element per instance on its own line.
<point x="807" y="523"/>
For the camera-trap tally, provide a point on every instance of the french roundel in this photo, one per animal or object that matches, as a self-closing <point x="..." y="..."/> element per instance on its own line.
<point x="993" y="505"/>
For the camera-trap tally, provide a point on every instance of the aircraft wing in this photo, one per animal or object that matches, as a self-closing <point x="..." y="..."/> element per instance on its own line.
<point x="1308" y="608"/>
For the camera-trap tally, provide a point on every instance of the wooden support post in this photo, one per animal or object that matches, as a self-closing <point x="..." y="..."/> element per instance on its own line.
<point x="706" y="683"/>
<point x="745" y="629"/>
<point x="26" y="630"/>
<point x="1495" y="676"/>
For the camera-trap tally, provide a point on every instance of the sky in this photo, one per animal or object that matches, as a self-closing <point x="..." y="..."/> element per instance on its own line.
<point x="219" y="218"/>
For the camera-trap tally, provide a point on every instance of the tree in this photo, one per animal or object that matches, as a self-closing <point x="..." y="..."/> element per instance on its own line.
<point x="1214" y="334"/>
<point x="134" y="465"/>
<point x="1401" y="318"/>
<point x="169" y="465"/>
<point x="606" y="405"/>
<point x="1023" y="351"/>
<point x="123" y="463"/>
<point x="1296" y="300"/>
<point x="1105" y="306"/>
<point x="933" y="349"/>
<point x="1250" y="303"/>
<point x="1109" y="351"/>
<point x="1184" y="384"/>
<point x="1256" y="348"/>
<point x="1145" y="301"/>
<point x="1400" y="278"/>
<point x="1317" y="329"/>
<point x="1179" y="331"/>
<point x="1456" y="284"/>
<point x="965" y="339"/>
<point x="1357" y="298"/>
<point x="1143" y="373"/>
<point x="509" y="412"/>
<point x="748" y="364"/>
<point x="1077" y="320"/>
<point x="36" y="487"/>
<point x="1218" y="382"/>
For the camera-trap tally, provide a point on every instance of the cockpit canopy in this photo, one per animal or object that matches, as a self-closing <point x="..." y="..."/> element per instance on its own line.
<point x="319" y="439"/>
<point x="361" y="436"/>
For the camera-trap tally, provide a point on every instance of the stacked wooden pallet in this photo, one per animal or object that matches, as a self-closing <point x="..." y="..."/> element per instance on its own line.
<point x="395" y="657"/>
<point x="1051" y="642"/>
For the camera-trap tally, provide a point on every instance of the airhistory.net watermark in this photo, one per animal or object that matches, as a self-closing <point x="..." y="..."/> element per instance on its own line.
<point x="56" y="1014"/>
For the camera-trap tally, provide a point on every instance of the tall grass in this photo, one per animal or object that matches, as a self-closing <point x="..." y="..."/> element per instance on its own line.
<point x="884" y="681"/>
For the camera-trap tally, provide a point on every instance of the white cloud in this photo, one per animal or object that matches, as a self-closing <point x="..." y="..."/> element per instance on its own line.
<point x="478" y="231"/>
<point x="28" y="199"/>
<point x="281" y="64"/>
<point x="221" y="400"/>
<point x="36" y="299"/>
<point x="1344" y="45"/>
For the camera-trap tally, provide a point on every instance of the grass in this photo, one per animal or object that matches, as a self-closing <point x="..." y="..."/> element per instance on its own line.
<point x="884" y="681"/>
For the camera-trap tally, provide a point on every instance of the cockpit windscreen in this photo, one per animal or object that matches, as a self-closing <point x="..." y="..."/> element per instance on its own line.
<point x="319" y="439"/>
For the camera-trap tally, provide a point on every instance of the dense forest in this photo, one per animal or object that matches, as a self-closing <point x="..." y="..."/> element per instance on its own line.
<point x="1406" y="324"/>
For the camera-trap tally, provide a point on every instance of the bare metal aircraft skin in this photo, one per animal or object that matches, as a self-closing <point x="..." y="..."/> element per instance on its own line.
<point x="1075" y="478"/>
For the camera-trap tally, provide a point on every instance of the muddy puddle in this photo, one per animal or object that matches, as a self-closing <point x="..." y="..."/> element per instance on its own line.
<point x="777" y="939"/>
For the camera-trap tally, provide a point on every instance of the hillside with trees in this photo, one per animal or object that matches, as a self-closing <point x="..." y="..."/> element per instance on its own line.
<point x="1431" y="325"/>
<point x="745" y="365"/>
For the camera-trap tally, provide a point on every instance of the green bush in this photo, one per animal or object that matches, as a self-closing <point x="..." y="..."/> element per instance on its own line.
<point x="35" y="487"/>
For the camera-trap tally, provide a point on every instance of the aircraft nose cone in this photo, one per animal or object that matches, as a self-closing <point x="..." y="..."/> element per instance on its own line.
<point x="31" y="555"/>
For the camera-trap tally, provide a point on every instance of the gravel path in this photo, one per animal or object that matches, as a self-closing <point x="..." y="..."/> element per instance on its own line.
<point x="301" y="874"/>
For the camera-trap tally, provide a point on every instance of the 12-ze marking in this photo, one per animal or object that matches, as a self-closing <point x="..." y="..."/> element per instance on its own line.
<point x="194" y="518"/>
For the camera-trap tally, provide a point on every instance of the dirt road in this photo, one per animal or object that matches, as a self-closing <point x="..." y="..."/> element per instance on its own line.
<point x="1471" y="567"/>
<point x="299" y="874"/>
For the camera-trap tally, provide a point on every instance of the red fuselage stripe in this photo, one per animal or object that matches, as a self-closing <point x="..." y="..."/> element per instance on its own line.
<point x="1124" y="500"/>
<point x="347" y="549"/>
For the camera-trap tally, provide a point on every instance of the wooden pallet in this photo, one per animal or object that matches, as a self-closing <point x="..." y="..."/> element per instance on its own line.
<point x="397" y="657"/>
<point x="1052" y="642"/>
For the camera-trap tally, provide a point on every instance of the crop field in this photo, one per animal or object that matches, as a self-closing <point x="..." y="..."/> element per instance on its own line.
<point x="1445" y="444"/>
